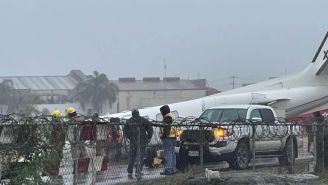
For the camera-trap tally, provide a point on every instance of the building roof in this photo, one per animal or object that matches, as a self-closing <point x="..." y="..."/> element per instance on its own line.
<point x="168" y="83"/>
<point x="45" y="82"/>
<point x="69" y="82"/>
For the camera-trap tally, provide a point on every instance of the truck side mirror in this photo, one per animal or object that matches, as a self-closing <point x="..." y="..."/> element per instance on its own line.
<point x="256" y="120"/>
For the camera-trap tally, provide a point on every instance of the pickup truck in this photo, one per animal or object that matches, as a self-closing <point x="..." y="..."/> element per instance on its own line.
<point x="229" y="135"/>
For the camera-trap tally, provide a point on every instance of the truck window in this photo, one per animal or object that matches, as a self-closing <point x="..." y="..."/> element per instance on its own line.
<point x="223" y="115"/>
<point x="267" y="116"/>
<point x="255" y="114"/>
<point x="211" y="115"/>
<point x="230" y="115"/>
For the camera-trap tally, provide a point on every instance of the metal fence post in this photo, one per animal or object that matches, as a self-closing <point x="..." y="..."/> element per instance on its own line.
<point x="323" y="146"/>
<point x="314" y="130"/>
<point x="201" y="147"/>
<point x="253" y="145"/>
<point x="74" y="149"/>
<point x="290" y="168"/>
<point x="320" y="149"/>
<point x="139" y="157"/>
<point x="292" y="138"/>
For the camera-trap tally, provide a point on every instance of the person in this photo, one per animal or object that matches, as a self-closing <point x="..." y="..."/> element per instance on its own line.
<point x="56" y="115"/>
<point x="71" y="113"/>
<point x="114" y="147"/>
<point x="137" y="129"/>
<point x="56" y="142"/>
<point x="78" y="150"/>
<point x="168" y="137"/>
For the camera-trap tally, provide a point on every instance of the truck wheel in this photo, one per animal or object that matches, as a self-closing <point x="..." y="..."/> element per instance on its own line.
<point x="241" y="156"/>
<point x="287" y="158"/>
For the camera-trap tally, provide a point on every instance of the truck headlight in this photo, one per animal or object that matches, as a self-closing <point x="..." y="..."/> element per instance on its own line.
<point x="220" y="133"/>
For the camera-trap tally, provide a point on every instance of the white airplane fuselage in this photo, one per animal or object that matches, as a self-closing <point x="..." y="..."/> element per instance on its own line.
<point x="295" y="94"/>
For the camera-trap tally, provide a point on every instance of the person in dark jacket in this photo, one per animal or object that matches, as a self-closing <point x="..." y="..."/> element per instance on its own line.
<point x="168" y="137"/>
<point x="139" y="131"/>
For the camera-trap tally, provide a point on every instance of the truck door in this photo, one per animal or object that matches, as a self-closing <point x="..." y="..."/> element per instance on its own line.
<point x="265" y="140"/>
<point x="272" y="130"/>
<point x="259" y="144"/>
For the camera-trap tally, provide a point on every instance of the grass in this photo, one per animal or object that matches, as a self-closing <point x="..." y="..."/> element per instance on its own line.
<point x="323" y="177"/>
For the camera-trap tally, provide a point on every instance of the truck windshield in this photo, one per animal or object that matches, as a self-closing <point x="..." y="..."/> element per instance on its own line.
<point x="223" y="115"/>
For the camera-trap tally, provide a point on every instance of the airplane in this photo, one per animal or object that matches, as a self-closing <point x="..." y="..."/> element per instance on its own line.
<point x="305" y="91"/>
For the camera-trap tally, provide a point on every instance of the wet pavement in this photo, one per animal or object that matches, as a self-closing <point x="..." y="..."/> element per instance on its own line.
<point x="117" y="173"/>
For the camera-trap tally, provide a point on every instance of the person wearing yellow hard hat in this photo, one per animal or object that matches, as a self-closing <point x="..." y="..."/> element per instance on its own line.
<point x="75" y="133"/>
<point x="57" y="137"/>
<point x="56" y="114"/>
<point x="71" y="112"/>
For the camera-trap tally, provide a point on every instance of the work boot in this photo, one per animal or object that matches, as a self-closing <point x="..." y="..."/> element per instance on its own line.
<point x="166" y="173"/>
<point x="130" y="176"/>
<point x="139" y="177"/>
<point x="141" y="174"/>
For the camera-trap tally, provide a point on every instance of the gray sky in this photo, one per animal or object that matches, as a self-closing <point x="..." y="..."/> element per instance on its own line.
<point x="251" y="39"/>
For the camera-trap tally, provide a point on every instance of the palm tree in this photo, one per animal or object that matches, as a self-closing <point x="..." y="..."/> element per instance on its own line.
<point x="97" y="90"/>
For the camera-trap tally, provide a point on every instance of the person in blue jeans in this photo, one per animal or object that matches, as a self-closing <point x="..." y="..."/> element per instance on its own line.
<point x="139" y="132"/>
<point x="168" y="137"/>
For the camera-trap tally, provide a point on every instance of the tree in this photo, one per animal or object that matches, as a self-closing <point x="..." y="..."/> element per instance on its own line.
<point x="97" y="90"/>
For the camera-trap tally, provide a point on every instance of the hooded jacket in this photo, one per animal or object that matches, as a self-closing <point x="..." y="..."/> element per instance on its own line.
<point x="167" y="121"/>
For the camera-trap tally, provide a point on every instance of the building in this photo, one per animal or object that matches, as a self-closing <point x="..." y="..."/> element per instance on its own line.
<point x="155" y="91"/>
<point x="56" y="91"/>
<point x="50" y="90"/>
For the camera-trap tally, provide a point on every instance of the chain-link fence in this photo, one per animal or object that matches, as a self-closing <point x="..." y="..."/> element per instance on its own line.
<point x="88" y="150"/>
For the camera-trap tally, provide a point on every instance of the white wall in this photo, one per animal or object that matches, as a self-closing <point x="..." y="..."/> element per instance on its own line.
<point x="129" y="100"/>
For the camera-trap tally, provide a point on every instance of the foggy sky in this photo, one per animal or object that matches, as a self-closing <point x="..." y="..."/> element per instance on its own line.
<point x="252" y="39"/>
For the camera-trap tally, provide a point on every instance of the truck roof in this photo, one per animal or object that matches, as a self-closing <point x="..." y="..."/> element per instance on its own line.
<point x="238" y="106"/>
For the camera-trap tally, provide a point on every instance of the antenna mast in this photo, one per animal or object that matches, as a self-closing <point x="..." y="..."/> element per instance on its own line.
<point x="164" y="67"/>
